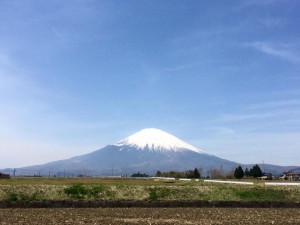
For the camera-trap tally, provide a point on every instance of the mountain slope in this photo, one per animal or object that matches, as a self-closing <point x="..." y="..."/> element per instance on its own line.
<point x="146" y="151"/>
<point x="116" y="160"/>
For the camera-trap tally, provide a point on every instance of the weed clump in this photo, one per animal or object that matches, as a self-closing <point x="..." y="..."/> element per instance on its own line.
<point x="79" y="191"/>
<point x="153" y="196"/>
<point x="262" y="194"/>
<point x="23" y="197"/>
<point x="13" y="197"/>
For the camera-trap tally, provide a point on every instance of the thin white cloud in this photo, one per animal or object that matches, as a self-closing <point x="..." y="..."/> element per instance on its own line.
<point x="223" y="131"/>
<point x="180" y="67"/>
<point x="256" y="3"/>
<point x="288" y="93"/>
<point x="5" y="60"/>
<point x="239" y="117"/>
<point x="276" y="104"/>
<point x="271" y="22"/>
<point x="278" y="50"/>
<point x="257" y="116"/>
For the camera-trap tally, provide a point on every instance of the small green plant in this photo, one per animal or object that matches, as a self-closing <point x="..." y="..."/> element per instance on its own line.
<point x="110" y="194"/>
<point x="153" y="196"/>
<point x="23" y="197"/>
<point x="261" y="194"/>
<point x="164" y="192"/>
<point x="76" y="191"/>
<point x="79" y="191"/>
<point x="94" y="192"/>
<point x="28" y="197"/>
<point x="13" y="197"/>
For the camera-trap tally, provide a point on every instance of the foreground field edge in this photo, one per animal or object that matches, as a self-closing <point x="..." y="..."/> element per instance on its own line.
<point x="145" y="204"/>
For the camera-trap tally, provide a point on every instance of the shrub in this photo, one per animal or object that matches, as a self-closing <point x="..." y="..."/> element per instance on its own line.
<point x="153" y="196"/>
<point x="76" y="191"/>
<point x="79" y="191"/>
<point x="13" y="197"/>
<point x="23" y="197"/>
<point x="27" y="197"/>
<point x="261" y="194"/>
<point x="96" y="190"/>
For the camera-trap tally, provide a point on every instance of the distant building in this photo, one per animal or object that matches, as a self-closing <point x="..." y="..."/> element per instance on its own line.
<point x="290" y="176"/>
<point x="266" y="176"/>
<point x="262" y="178"/>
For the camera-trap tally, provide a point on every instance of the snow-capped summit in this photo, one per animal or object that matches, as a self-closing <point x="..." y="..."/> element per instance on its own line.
<point x="156" y="140"/>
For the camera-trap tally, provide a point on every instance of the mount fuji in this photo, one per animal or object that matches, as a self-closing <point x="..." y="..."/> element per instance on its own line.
<point x="146" y="151"/>
<point x="152" y="139"/>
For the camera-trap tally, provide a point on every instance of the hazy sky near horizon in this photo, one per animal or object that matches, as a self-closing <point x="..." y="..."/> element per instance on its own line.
<point x="77" y="75"/>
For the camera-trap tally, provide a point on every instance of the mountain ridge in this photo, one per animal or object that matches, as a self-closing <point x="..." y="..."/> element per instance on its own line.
<point x="146" y="151"/>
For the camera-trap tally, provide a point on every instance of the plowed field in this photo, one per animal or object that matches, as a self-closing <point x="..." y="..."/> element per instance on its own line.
<point x="150" y="216"/>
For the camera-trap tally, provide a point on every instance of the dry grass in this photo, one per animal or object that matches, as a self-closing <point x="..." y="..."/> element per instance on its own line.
<point x="140" y="189"/>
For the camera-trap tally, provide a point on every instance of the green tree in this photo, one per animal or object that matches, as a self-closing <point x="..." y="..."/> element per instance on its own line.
<point x="4" y="176"/>
<point x="251" y="172"/>
<point x="188" y="174"/>
<point x="158" y="173"/>
<point x="139" y="175"/>
<point x="256" y="171"/>
<point x="247" y="172"/>
<point x="196" y="173"/>
<point x="238" y="173"/>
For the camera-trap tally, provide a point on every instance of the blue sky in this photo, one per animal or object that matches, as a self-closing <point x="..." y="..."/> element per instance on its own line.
<point x="78" y="75"/>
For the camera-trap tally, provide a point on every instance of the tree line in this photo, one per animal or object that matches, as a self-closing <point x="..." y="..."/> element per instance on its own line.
<point x="176" y="174"/>
<point x="255" y="172"/>
<point x="196" y="173"/>
<point x="238" y="173"/>
<point x="4" y="176"/>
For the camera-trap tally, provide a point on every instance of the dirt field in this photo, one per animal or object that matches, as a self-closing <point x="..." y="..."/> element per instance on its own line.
<point x="150" y="216"/>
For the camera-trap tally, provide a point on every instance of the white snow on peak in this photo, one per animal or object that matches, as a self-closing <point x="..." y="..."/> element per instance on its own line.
<point x="156" y="140"/>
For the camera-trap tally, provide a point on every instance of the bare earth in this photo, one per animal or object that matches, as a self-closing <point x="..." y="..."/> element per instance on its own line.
<point x="150" y="216"/>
